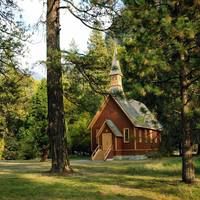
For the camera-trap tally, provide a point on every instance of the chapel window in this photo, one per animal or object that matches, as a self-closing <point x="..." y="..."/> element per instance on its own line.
<point x="126" y="135"/>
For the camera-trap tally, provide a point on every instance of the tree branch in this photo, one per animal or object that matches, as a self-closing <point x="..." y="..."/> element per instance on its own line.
<point x="87" y="25"/>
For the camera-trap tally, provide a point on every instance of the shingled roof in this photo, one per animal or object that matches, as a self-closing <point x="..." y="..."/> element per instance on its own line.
<point x="112" y="127"/>
<point x="138" y="113"/>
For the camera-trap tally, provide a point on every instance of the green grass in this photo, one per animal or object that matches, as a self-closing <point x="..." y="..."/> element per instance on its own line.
<point x="111" y="180"/>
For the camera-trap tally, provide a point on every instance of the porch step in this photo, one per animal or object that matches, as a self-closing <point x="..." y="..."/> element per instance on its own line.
<point x="99" y="155"/>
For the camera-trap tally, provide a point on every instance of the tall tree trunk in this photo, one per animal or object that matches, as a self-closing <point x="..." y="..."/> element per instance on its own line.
<point x="44" y="153"/>
<point x="56" y="121"/>
<point x="180" y="148"/>
<point x="198" y="150"/>
<point x="188" y="174"/>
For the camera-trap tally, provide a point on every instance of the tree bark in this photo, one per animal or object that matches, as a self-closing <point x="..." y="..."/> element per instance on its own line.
<point x="44" y="153"/>
<point x="56" y="121"/>
<point x="180" y="148"/>
<point x="188" y="172"/>
<point x="198" y="150"/>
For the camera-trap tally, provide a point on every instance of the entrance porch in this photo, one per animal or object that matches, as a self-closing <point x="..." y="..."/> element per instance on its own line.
<point x="106" y="137"/>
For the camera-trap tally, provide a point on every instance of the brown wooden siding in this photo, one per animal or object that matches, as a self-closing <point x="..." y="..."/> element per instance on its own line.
<point x="113" y="112"/>
<point x="147" y="144"/>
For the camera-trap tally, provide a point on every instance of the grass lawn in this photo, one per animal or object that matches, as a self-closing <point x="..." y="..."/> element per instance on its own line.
<point x="111" y="180"/>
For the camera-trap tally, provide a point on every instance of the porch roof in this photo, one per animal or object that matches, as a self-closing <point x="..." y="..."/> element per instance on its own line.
<point x="112" y="127"/>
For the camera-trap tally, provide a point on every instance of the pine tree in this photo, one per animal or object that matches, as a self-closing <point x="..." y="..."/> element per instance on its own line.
<point x="33" y="138"/>
<point x="56" y="120"/>
<point x="161" y="47"/>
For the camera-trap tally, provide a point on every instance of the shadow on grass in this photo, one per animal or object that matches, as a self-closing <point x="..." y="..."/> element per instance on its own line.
<point x="15" y="186"/>
<point x="136" y="176"/>
<point x="93" y="181"/>
<point x="133" y="169"/>
<point x="170" y="167"/>
<point x="23" y="166"/>
<point x="151" y="184"/>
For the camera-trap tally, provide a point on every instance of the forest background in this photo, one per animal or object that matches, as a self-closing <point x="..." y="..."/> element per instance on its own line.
<point x="159" y="46"/>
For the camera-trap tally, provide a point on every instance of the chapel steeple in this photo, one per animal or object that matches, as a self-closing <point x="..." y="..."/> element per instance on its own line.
<point x="115" y="75"/>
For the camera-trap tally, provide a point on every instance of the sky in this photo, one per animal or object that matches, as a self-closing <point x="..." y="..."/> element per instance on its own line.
<point x="71" y="28"/>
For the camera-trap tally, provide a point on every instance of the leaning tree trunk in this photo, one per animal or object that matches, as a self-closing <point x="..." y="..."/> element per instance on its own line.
<point x="56" y="121"/>
<point x="188" y="174"/>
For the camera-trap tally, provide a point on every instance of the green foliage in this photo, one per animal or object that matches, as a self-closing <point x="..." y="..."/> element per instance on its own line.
<point x="89" y="70"/>
<point x="11" y="148"/>
<point x="12" y="33"/>
<point x="85" y="77"/>
<point x="33" y="133"/>
<point x="14" y="99"/>
<point x="157" y="41"/>
<point x="1" y="147"/>
<point x="27" y="146"/>
<point x="79" y="135"/>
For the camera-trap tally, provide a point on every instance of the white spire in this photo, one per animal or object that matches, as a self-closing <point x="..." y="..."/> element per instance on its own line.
<point x="115" y="75"/>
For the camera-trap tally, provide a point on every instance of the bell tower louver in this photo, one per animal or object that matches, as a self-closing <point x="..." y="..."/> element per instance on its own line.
<point x="115" y="75"/>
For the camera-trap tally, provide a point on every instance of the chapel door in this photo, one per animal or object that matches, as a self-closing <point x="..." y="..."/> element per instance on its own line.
<point x="106" y="141"/>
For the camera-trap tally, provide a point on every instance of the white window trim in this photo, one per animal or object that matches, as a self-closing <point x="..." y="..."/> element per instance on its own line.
<point x="124" y="131"/>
